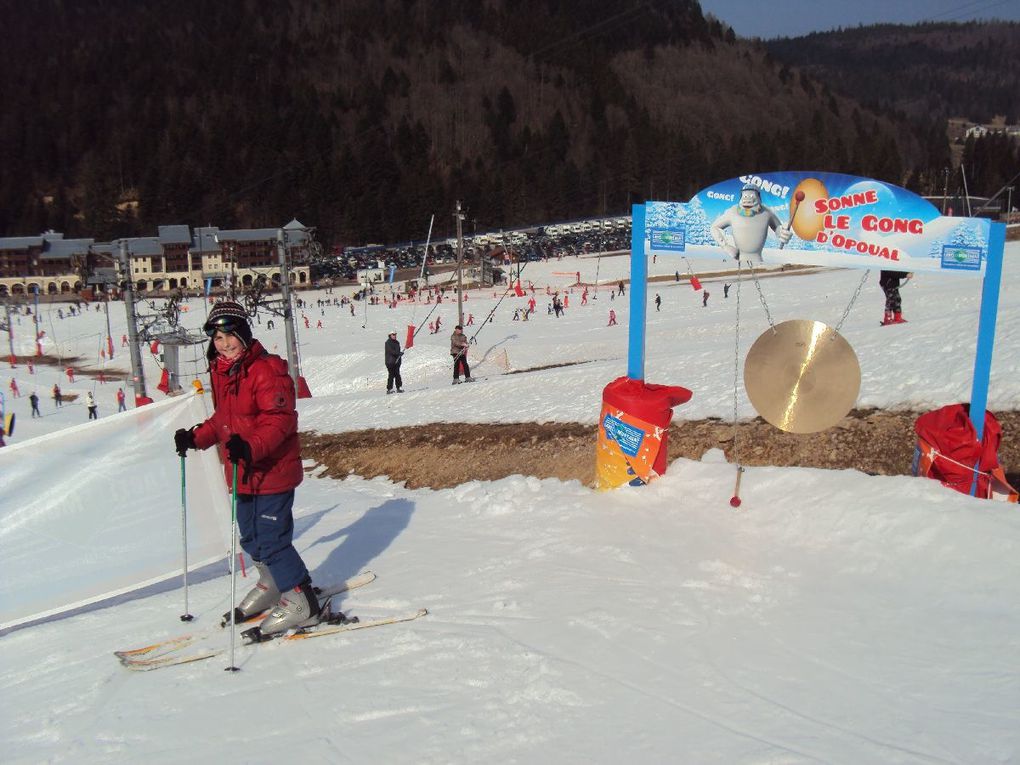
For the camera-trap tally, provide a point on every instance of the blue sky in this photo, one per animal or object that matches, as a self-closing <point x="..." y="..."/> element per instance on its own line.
<point x="792" y="18"/>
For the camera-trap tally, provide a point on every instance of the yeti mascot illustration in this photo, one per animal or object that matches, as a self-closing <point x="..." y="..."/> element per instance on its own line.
<point x="750" y="222"/>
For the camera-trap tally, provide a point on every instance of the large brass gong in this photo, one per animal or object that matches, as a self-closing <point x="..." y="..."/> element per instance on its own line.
<point x="803" y="377"/>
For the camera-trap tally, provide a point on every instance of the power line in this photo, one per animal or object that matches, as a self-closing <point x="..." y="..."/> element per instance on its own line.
<point x="967" y="9"/>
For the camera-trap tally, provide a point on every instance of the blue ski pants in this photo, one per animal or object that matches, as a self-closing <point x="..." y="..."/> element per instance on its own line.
<point x="266" y="523"/>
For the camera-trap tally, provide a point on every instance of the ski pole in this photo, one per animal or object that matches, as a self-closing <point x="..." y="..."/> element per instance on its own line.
<point x="186" y="616"/>
<point x="233" y="565"/>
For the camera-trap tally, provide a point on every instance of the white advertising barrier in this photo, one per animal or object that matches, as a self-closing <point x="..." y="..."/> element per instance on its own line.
<point x="94" y="511"/>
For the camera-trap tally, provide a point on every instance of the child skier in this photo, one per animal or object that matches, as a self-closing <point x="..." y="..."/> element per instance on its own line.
<point x="255" y="426"/>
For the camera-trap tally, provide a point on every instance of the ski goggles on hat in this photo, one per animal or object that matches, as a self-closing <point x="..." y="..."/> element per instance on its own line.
<point x="227" y="324"/>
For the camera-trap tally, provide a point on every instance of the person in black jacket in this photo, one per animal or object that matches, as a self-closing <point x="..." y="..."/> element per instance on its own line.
<point x="393" y="355"/>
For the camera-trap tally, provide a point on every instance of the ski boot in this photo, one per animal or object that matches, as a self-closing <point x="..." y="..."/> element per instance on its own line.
<point x="298" y="608"/>
<point x="898" y="318"/>
<point x="263" y="595"/>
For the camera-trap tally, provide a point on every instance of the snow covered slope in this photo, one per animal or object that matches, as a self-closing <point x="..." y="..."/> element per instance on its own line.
<point x="835" y="617"/>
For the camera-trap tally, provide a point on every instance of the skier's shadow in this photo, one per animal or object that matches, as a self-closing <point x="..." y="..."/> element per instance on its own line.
<point x="363" y="540"/>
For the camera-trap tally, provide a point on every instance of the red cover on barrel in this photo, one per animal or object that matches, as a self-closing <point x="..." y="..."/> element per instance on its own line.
<point x="652" y="403"/>
<point x="950" y="432"/>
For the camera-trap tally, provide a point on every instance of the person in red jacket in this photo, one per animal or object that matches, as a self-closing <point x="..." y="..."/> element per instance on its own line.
<point x="254" y="426"/>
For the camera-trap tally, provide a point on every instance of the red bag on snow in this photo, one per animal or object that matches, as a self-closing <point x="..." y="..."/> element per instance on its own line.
<point x="948" y="451"/>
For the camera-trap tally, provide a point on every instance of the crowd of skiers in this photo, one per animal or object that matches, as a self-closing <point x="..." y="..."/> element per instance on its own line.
<point x="91" y="405"/>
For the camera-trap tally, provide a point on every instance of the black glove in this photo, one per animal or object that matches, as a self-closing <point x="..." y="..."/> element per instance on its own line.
<point x="184" y="440"/>
<point x="238" y="449"/>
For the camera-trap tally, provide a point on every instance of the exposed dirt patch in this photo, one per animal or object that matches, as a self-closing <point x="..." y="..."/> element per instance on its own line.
<point x="443" y="455"/>
<point x="75" y="363"/>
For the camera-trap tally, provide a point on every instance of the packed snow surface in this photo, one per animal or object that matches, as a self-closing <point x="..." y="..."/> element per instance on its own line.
<point x="834" y="617"/>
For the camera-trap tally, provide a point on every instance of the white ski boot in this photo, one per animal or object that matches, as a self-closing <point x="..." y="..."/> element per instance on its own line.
<point x="297" y="608"/>
<point x="262" y="596"/>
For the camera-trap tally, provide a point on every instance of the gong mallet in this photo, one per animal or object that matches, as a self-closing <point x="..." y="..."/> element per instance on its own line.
<point x="735" y="499"/>
<point x="797" y="199"/>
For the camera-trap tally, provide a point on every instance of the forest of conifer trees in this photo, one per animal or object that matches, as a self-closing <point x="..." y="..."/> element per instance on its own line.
<point x="363" y="118"/>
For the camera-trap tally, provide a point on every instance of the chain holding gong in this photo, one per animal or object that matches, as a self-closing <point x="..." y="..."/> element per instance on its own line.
<point x="802" y="376"/>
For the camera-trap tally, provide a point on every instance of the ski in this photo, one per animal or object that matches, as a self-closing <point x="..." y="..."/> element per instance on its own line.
<point x="328" y="629"/>
<point x="174" y="644"/>
<point x="321" y="630"/>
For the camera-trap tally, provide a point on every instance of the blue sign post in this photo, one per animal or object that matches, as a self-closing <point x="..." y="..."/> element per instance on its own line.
<point x="638" y="293"/>
<point x="986" y="328"/>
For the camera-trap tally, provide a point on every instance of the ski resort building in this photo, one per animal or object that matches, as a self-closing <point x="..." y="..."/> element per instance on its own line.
<point x="178" y="258"/>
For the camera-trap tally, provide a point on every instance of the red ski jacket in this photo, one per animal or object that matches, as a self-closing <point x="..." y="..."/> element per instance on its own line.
<point x="255" y="399"/>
